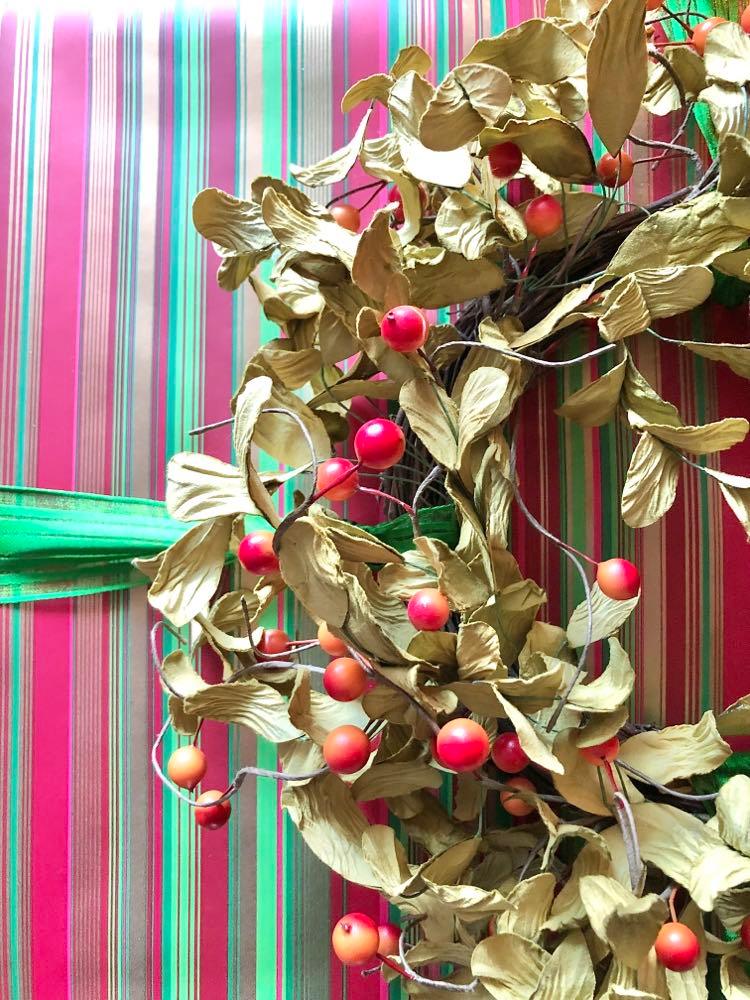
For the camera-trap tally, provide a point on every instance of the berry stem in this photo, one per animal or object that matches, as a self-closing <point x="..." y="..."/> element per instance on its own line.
<point x="672" y="898"/>
<point x="356" y="190"/>
<point x="611" y="776"/>
<point x="332" y="485"/>
<point x="392" y="965"/>
<point x="388" y="496"/>
<point x="660" y="159"/>
<point x="210" y="427"/>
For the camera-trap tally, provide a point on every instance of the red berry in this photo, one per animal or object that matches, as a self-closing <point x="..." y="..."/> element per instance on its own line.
<point x="355" y="939"/>
<point x="654" y="4"/>
<point x="379" y="444"/>
<point x="334" y="470"/>
<point x="212" y="817"/>
<point x="273" y="641"/>
<point x="389" y="935"/>
<point x="677" y="948"/>
<point x="462" y="745"/>
<point x="508" y="753"/>
<point x="745" y="20"/>
<point x="428" y="610"/>
<point x="346" y="749"/>
<point x="398" y="213"/>
<point x="597" y="755"/>
<point x="701" y="32"/>
<point x="346" y="215"/>
<point x="331" y="643"/>
<point x="186" y="766"/>
<point x="404" y="328"/>
<point x="544" y="216"/>
<point x="256" y="553"/>
<point x="745" y="933"/>
<point x="609" y="167"/>
<point x="513" y="803"/>
<point x="344" y="679"/>
<point x="505" y="160"/>
<point x="618" y="579"/>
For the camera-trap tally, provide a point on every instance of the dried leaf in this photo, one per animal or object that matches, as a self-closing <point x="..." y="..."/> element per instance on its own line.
<point x="245" y="703"/>
<point x="468" y="99"/>
<point x="467" y="228"/>
<point x="478" y="652"/>
<point x="677" y="752"/>
<point x="735" y="720"/>
<point x="375" y="87"/>
<point x="383" y="780"/>
<point x="464" y="589"/>
<point x="617" y="70"/>
<point x="440" y="278"/>
<point x="568" y="973"/>
<point x="611" y="688"/>
<point x="531" y="742"/>
<point x="727" y="55"/>
<point x="608" y="617"/>
<point x="668" y="291"/>
<point x="555" y="146"/>
<point x="316" y="714"/>
<point x="509" y="966"/>
<point x="734" y="169"/>
<point x="308" y="234"/>
<point x="237" y="231"/>
<point x="651" y="483"/>
<point x="411" y="58"/>
<point x="627" y="923"/>
<point x="531" y="900"/>
<point x="190" y="570"/>
<point x="707" y="438"/>
<point x="733" y="813"/>
<point x="467" y="901"/>
<point x="333" y="168"/>
<point x="735" y="356"/>
<point x="536" y="50"/>
<point x="625" y="311"/>
<point x="433" y="416"/>
<point x="596" y="403"/>
<point x="377" y="263"/>
<point x="735" y="979"/>
<point x="580" y="784"/>
<point x="200" y="487"/>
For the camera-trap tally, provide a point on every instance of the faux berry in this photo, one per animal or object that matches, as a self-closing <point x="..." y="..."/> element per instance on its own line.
<point x="346" y="749"/>
<point x="602" y="753"/>
<point x="379" y="444"/>
<point x="331" y="643"/>
<point x="505" y="160"/>
<point x="398" y="212"/>
<point x="513" y="803"/>
<point x="212" y="817"/>
<point x="273" y="641"/>
<point x="428" y="609"/>
<point x="615" y="171"/>
<point x="389" y="935"/>
<point x="355" y="939"/>
<point x="618" y="579"/>
<point x="344" y="679"/>
<point x="462" y="745"/>
<point x="508" y="754"/>
<point x="404" y="328"/>
<point x="346" y="215"/>
<point x="677" y="948"/>
<point x="544" y="216"/>
<point x="187" y="766"/>
<point x="702" y="31"/>
<point x="745" y="933"/>
<point x="334" y="470"/>
<point x="654" y="4"/>
<point x="745" y="20"/>
<point x="256" y="554"/>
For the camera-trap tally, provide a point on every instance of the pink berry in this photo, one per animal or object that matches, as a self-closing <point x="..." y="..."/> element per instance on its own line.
<point x="334" y="470"/>
<point x="346" y="749"/>
<point x="344" y="679"/>
<point x="462" y="745"/>
<point x="212" y="817"/>
<point x="404" y="328"/>
<point x="618" y="579"/>
<point x="379" y="444"/>
<point x="677" y="948"/>
<point x="602" y="753"/>
<point x="544" y="216"/>
<point x="428" y="610"/>
<point x="508" y="754"/>
<point x="256" y="553"/>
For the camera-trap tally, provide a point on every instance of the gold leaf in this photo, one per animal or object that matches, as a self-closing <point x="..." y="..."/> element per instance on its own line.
<point x="733" y="813"/>
<point x="734" y="169"/>
<point x="292" y="367"/>
<point x="735" y="356"/>
<point x="237" y="231"/>
<point x="467" y="228"/>
<point x="411" y="58"/>
<point x="333" y="168"/>
<point x="625" y="311"/>
<point x="332" y="826"/>
<point x="571" y="302"/>
<point x="736" y="264"/>
<point x="387" y="857"/>
<point x="180" y="674"/>
<point x="579" y="783"/>
<point x="190" y="570"/>
<point x="611" y="688"/>
<point x="651" y="483"/>
<point x="727" y="55"/>
<point x="602" y="727"/>
<point x="407" y="102"/>
<point x="596" y="403"/>
<point x="555" y="146"/>
<point x="701" y="440"/>
<point x="736" y="492"/>
<point x="536" y="50"/>
<point x="385" y="780"/>
<point x="315" y="714"/>
<point x="693" y="232"/>
<point x="433" y="416"/>
<point x="640" y="397"/>
<point x="531" y="901"/>
<point x="467" y="901"/>
<point x="668" y="291"/>
<point x="464" y="589"/>
<point x="608" y="617"/>
<point x="200" y="487"/>
<point x="509" y="966"/>
<point x="735" y="980"/>
<point x="246" y="703"/>
<point x="377" y="263"/>
<point x="735" y="720"/>
<point x="355" y="544"/>
<point x="533" y="745"/>
<point x="468" y="99"/>
<point x="567" y="908"/>
<point x="307" y="234"/>
<point x="617" y="70"/>
<point x="311" y="566"/>
<point x="677" y="752"/>
<point x="485" y="402"/>
<point x="478" y="652"/>
<point x="371" y="88"/>
<point x="440" y="278"/>
<point x="627" y="923"/>
<point x="569" y="973"/>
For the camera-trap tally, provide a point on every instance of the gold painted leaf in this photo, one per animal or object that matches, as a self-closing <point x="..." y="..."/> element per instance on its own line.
<point x="311" y="566"/>
<point x="509" y="966"/>
<point x="736" y="492"/>
<point x="399" y="778"/>
<point x="292" y="367"/>
<point x="569" y="973"/>
<point x="411" y="58"/>
<point x="735" y="979"/>
<point x="305" y="233"/>
<point x="377" y="263"/>
<point x="478" y="652"/>
<point x="531" y="901"/>
<point x="375" y="87"/>
<point x="736" y="263"/>
<point x="189" y="571"/>
<point x="624" y="310"/>
<point x="677" y="752"/>
<point x="602" y="727"/>
<point x="467" y="228"/>
<point x="651" y="483"/>
<point x="180" y="674"/>
<point x="735" y="719"/>
<point x="467" y="901"/>
<point x="536" y="50"/>
<point x="608" y="617"/>
<point x="237" y="231"/>
<point x="333" y="168"/>
<point x="464" y="589"/>
<point x="433" y="416"/>
<point x="628" y="924"/>
<point x="315" y="714"/>
<point x="640" y="397"/>
<point x="485" y="402"/>
<point x="668" y="291"/>
<point x="579" y="783"/>
<point x="567" y="908"/>
<point x="468" y="99"/>
<point x="200" y="487"/>
<point x="727" y="55"/>
<point x="531" y="742"/>
<point x="245" y="703"/>
<point x="734" y="169"/>
<point x="611" y="688"/>
<point x="571" y="302"/>
<point x="735" y="356"/>
<point x="693" y="232"/>
<point x="555" y="146"/>
<point x="596" y="403"/>
<point x="700" y="440"/>
<point x="617" y="70"/>
<point x="733" y="813"/>
<point x="332" y="826"/>
<point x="440" y="278"/>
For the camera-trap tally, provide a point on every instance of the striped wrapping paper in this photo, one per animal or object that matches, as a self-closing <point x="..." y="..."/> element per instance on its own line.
<point x="115" y="342"/>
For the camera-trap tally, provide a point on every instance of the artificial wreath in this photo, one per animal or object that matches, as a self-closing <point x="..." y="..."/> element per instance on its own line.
<point x="622" y="881"/>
